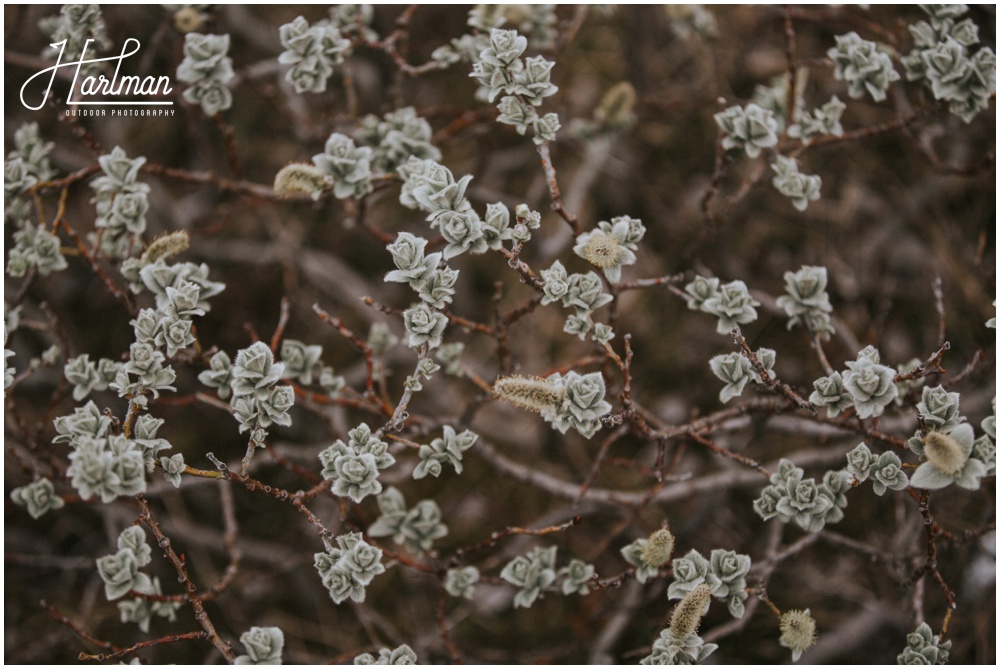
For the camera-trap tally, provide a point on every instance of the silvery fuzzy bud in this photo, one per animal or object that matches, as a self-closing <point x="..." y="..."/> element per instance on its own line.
<point x="399" y="135"/>
<point x="583" y="403"/>
<point x="273" y="408"/>
<point x="219" y="374"/>
<point x="699" y="291"/>
<point x="829" y="392"/>
<point x="461" y="582"/>
<point x="556" y="283"/>
<point x="424" y="326"/>
<point x="174" y="335"/>
<point x="860" y="462"/>
<point x="734" y="370"/>
<point x="33" y="151"/>
<point x="602" y="333"/>
<point x="255" y="371"/>
<point x="205" y="57"/>
<point x="422" y="526"/>
<point x="945" y="67"/>
<point x="403" y="654"/>
<point x="144" y="436"/>
<point x="800" y="188"/>
<point x="496" y="225"/>
<point x="668" y="649"/>
<point x="301" y="362"/>
<point x="119" y="173"/>
<point x="534" y="81"/>
<point x="120" y="573"/>
<point x="349" y="165"/>
<point x="733" y="305"/>
<point x="436" y="190"/>
<point x="939" y="409"/>
<point x="922" y="645"/>
<point x="85" y="421"/>
<point x="578" y="325"/>
<point x="38" y="497"/>
<point x="312" y="52"/>
<point x="766" y="505"/>
<point x="805" y="294"/>
<point x="263" y="646"/>
<point x="532" y="574"/>
<point x="408" y="256"/>
<point x="208" y="69"/>
<point x="380" y="339"/>
<point x="462" y="230"/>
<point x="805" y="501"/>
<point x="447" y="448"/>
<point x="546" y="128"/>
<point x="870" y="384"/>
<point x="766" y="357"/>
<point x="576" y="577"/>
<point x="690" y="571"/>
<point x="887" y="473"/>
<point x="751" y="128"/>
<point x="331" y="382"/>
<point x="516" y="112"/>
<point x="212" y="95"/>
<point x="505" y="49"/>
<point x="76" y="23"/>
<point x="727" y="579"/>
<point x="356" y="476"/>
<point x="82" y="373"/>
<point x="863" y="66"/>
<point x="173" y="467"/>
<point x="449" y="355"/>
<point x="824" y="120"/>
<point x="585" y="292"/>
<point x="35" y="246"/>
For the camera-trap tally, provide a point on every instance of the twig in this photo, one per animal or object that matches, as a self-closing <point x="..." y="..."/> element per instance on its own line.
<point x="279" y="330"/>
<point x="191" y="590"/>
<point x="553" y="183"/>
<point x="459" y="555"/>
<point x="131" y="650"/>
<point x="770" y="381"/>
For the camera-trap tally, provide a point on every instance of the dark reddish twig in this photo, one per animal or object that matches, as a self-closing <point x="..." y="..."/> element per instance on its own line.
<point x="125" y="652"/>
<point x="552" y="182"/>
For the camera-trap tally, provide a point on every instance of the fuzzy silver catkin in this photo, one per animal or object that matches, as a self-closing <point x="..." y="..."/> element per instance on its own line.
<point x="602" y="250"/>
<point x="798" y="630"/>
<point x="166" y="246"/>
<point x="617" y="105"/>
<point x="300" y="178"/>
<point x="689" y="611"/>
<point x="657" y="549"/>
<point x="942" y="451"/>
<point x="532" y="393"/>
